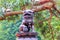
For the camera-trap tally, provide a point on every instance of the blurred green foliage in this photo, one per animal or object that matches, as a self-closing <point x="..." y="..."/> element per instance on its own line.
<point x="8" y="28"/>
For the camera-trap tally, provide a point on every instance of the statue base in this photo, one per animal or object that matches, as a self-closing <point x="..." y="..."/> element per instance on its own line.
<point x="26" y="36"/>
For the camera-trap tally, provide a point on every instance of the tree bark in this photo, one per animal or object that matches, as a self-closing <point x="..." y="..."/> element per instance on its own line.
<point x="11" y="14"/>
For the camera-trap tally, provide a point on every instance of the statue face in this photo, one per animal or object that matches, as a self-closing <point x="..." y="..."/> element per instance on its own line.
<point x="28" y="14"/>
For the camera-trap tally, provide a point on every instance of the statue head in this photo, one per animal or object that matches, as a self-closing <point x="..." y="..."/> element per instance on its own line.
<point x="28" y="15"/>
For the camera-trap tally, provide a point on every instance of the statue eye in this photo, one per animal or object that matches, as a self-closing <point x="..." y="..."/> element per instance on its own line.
<point x="30" y="12"/>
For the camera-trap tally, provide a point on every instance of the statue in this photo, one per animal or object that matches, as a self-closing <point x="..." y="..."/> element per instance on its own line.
<point x="27" y="26"/>
<point x="26" y="29"/>
<point x="27" y="23"/>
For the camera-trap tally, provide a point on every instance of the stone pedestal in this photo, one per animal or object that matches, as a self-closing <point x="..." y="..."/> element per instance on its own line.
<point x="27" y="36"/>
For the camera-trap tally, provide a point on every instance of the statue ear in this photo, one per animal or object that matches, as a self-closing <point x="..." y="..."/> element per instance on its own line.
<point x="24" y="11"/>
<point x="33" y="12"/>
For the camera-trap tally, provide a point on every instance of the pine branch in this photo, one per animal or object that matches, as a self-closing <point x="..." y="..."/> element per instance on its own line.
<point x="11" y="14"/>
